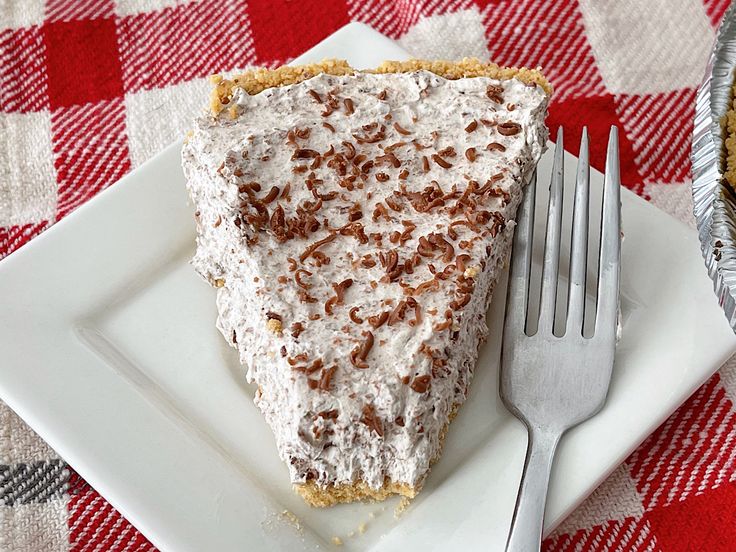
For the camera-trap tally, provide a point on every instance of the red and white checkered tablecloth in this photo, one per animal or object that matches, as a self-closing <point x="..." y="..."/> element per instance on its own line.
<point x="89" y="89"/>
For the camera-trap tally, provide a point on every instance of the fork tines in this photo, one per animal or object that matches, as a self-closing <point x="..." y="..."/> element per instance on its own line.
<point x="608" y="261"/>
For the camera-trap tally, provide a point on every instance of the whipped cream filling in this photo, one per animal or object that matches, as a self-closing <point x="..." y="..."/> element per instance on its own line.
<point x="356" y="226"/>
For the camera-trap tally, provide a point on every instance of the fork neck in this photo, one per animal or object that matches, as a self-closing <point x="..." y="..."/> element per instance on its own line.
<point x="527" y="524"/>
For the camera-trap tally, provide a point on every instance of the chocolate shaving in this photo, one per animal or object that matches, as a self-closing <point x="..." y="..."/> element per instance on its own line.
<point x="441" y="162"/>
<point x="304" y="154"/>
<point x="315" y="95"/>
<point x="355" y="214"/>
<point x="390" y="159"/>
<point x="349" y="106"/>
<point x="367" y="345"/>
<point x="341" y="288"/>
<point x="378" y="320"/>
<point x="304" y="297"/>
<point x="278" y="224"/>
<point x="311" y="369"/>
<point x="494" y="93"/>
<point x="393" y="204"/>
<point x="398" y="313"/>
<point x="425" y="163"/>
<point x="301" y="357"/>
<point x="467" y="223"/>
<point x="470" y="154"/>
<point x="316" y="245"/>
<point x="403" y="174"/>
<point x="380" y="211"/>
<point x="329" y="303"/>
<point x="356" y="230"/>
<point x="417" y="311"/>
<point x="328" y="414"/>
<point x="350" y="153"/>
<point x="458" y="304"/>
<point x="285" y="191"/>
<point x="394" y="146"/>
<point x="399" y="421"/>
<point x="326" y="380"/>
<point x="461" y="260"/>
<point x="427" y="286"/>
<point x="353" y="314"/>
<point x="368" y="139"/>
<point x="442" y="243"/>
<point x="420" y="384"/>
<point x="298" y="278"/>
<point x="359" y="354"/>
<point x="320" y="258"/>
<point x="401" y="130"/>
<point x="371" y="420"/>
<point x="442" y="326"/>
<point x="272" y="194"/>
<point x="296" y="329"/>
<point x="472" y="126"/>
<point x="509" y="128"/>
<point x="391" y="260"/>
<point x="367" y="262"/>
<point x="382" y="177"/>
<point x="249" y="188"/>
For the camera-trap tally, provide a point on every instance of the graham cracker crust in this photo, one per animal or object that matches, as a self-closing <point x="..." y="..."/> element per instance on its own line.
<point x="320" y="497"/>
<point x="260" y="79"/>
<point x="730" y="130"/>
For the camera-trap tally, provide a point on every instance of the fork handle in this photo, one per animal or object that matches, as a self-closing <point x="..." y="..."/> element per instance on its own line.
<point x="526" y="525"/>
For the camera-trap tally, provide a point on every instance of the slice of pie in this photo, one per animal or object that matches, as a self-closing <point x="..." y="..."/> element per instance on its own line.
<point x="354" y="223"/>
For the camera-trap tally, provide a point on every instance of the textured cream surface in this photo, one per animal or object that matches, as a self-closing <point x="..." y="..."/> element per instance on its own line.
<point x="342" y="411"/>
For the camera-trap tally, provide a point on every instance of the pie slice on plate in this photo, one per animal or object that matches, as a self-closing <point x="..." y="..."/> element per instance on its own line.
<point x="354" y="223"/>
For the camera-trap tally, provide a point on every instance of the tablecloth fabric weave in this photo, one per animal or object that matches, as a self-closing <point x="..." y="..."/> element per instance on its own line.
<point x="90" y="89"/>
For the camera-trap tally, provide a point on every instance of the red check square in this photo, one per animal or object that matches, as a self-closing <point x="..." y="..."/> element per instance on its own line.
<point x="704" y="522"/>
<point x="83" y="64"/>
<point x="598" y="113"/>
<point x="282" y="31"/>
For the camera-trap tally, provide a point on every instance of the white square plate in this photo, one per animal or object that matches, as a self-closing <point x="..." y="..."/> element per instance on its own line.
<point x="110" y="352"/>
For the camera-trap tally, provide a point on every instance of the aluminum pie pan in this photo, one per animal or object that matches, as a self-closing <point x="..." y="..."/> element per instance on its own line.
<point x="714" y="201"/>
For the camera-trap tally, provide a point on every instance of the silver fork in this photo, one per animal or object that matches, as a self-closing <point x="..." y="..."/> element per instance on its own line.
<point x="553" y="383"/>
